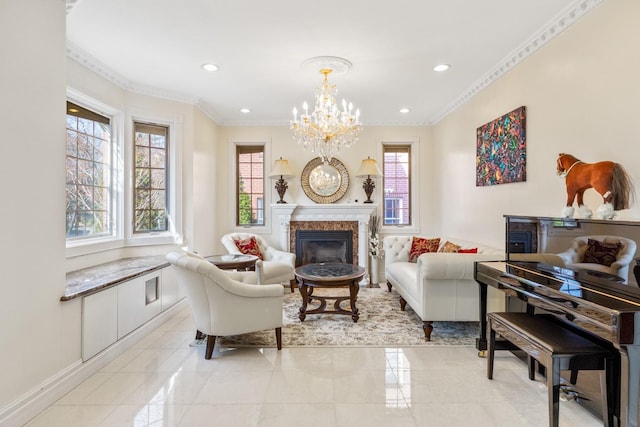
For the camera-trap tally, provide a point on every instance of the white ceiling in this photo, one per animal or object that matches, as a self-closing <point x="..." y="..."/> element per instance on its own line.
<point x="158" y="47"/>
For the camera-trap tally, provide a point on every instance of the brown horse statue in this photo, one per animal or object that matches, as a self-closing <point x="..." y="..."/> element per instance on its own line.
<point x="609" y="179"/>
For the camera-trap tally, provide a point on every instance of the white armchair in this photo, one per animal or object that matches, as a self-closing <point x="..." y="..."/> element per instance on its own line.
<point x="222" y="306"/>
<point x="574" y="256"/>
<point x="278" y="265"/>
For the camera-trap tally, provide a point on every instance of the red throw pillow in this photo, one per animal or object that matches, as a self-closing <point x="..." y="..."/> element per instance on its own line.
<point x="421" y="246"/>
<point x="249" y="247"/>
<point x="468" y="251"/>
<point x="601" y="253"/>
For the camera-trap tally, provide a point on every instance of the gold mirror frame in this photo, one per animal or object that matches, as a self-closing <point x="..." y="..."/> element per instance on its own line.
<point x="315" y="194"/>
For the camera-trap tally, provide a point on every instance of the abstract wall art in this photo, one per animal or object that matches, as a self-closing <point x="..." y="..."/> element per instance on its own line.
<point x="501" y="150"/>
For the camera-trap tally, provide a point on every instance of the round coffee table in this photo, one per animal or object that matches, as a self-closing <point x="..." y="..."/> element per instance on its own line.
<point x="329" y="275"/>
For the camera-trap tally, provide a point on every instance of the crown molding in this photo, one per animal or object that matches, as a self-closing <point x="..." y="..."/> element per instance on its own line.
<point x="555" y="26"/>
<point x="90" y="62"/>
<point x="208" y="111"/>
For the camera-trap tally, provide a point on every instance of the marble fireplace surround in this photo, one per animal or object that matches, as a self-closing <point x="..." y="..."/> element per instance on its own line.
<point x="344" y="216"/>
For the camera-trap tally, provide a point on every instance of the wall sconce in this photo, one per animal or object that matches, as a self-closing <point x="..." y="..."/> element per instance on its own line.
<point x="282" y="170"/>
<point x="368" y="168"/>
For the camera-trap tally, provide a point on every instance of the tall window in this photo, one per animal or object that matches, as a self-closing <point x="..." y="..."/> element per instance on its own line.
<point x="250" y="184"/>
<point x="89" y="171"/>
<point x="396" y="184"/>
<point x="150" y="173"/>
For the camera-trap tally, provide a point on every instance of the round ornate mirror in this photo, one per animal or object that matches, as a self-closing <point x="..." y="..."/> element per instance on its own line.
<point x="325" y="183"/>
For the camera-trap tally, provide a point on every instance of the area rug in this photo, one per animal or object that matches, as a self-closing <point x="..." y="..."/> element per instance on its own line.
<point x="381" y="324"/>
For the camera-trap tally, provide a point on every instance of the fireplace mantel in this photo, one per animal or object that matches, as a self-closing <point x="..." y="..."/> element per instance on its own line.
<point x="325" y="213"/>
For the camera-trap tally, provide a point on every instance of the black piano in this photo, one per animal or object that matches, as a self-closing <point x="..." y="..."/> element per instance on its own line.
<point x="601" y="306"/>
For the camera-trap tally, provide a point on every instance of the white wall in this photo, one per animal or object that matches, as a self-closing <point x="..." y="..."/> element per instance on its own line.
<point x="32" y="107"/>
<point x="207" y="201"/>
<point x="582" y="96"/>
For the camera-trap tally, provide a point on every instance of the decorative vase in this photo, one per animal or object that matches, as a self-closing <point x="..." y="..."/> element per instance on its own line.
<point x="373" y="271"/>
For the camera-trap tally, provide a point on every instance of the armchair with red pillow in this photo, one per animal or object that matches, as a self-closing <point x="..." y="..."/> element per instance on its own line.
<point x="278" y="266"/>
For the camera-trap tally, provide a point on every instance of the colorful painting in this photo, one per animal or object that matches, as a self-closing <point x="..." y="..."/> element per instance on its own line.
<point x="501" y="150"/>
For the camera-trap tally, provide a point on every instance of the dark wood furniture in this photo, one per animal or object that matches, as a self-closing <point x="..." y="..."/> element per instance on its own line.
<point x="329" y="275"/>
<point x="604" y="311"/>
<point x="557" y="348"/>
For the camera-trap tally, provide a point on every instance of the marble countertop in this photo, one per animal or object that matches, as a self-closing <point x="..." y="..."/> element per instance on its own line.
<point x="99" y="277"/>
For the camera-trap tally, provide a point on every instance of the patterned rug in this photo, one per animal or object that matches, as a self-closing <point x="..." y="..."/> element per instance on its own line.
<point x="381" y="324"/>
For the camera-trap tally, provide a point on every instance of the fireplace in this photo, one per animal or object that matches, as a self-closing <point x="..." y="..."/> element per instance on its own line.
<point x="313" y="246"/>
<point x="293" y="218"/>
<point x="519" y="242"/>
<point x="522" y="237"/>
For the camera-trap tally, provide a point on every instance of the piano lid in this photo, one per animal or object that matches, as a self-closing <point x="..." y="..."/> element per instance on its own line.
<point x="580" y="284"/>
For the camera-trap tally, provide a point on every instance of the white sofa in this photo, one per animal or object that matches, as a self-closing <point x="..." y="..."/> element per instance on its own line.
<point x="439" y="286"/>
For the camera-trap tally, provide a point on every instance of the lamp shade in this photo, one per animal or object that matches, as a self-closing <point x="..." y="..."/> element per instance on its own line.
<point x="369" y="167"/>
<point x="281" y="169"/>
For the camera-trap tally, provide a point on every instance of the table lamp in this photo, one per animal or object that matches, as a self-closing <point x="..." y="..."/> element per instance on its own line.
<point x="368" y="168"/>
<point x="281" y="170"/>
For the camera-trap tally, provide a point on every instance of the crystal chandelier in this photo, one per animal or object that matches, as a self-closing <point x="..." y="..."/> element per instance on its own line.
<point x="328" y="128"/>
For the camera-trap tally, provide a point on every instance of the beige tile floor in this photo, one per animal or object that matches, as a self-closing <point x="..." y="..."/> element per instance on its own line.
<point x="162" y="381"/>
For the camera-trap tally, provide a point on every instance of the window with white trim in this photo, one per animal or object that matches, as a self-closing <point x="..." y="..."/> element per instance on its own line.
<point x="89" y="174"/>
<point x="150" y="168"/>
<point x="121" y="186"/>
<point x="250" y="184"/>
<point x="396" y="184"/>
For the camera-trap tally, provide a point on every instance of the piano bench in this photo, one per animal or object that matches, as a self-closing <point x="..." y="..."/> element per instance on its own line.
<point x="557" y="349"/>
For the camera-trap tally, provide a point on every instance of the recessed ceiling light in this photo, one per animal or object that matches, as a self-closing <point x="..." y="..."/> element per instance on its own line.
<point x="210" y="67"/>
<point x="441" y="67"/>
<point x="404" y="110"/>
<point x="245" y="110"/>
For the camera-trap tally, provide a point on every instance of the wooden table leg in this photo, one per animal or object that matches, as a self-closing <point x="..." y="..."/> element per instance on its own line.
<point x="305" y="300"/>
<point x="354" y="288"/>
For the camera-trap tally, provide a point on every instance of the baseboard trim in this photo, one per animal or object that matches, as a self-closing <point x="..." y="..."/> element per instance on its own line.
<point x="36" y="400"/>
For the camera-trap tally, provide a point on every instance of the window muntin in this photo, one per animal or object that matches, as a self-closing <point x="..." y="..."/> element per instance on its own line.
<point x="89" y="189"/>
<point x="250" y="185"/>
<point x="392" y="210"/>
<point x="397" y="184"/>
<point x="150" y="172"/>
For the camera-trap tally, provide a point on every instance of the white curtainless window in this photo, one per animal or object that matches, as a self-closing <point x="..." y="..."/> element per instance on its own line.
<point x="89" y="174"/>
<point x="151" y="148"/>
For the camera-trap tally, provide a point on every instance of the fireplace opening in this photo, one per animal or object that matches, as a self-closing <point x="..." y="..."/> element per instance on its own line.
<point x="519" y="242"/>
<point x="315" y="246"/>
